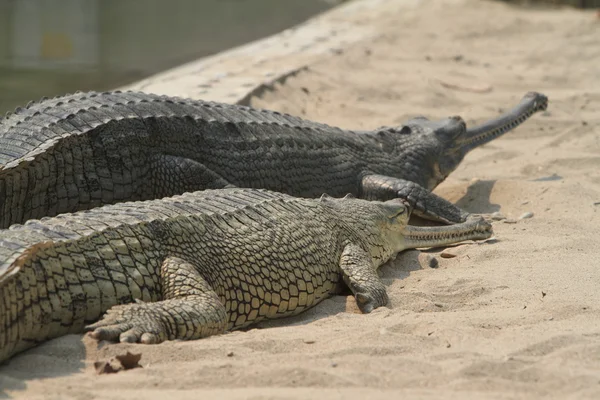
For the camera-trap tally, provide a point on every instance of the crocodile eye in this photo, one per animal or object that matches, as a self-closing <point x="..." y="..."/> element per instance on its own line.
<point x="394" y="208"/>
<point x="401" y="210"/>
<point x="406" y="130"/>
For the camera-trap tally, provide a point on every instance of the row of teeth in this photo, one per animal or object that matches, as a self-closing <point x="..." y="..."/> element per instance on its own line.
<point x="447" y="235"/>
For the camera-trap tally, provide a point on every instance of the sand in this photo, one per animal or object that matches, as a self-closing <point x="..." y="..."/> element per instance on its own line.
<point x="518" y="317"/>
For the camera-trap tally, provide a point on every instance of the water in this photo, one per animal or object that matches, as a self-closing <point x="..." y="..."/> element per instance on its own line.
<point x="51" y="47"/>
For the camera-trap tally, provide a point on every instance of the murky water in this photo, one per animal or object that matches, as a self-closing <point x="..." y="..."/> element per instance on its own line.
<point x="50" y="47"/>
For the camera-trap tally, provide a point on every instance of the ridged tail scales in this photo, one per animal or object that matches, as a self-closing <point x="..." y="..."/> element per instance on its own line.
<point x="47" y="161"/>
<point x="26" y="305"/>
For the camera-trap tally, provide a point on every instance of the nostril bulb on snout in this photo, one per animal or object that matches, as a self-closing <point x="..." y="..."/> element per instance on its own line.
<point x="458" y="119"/>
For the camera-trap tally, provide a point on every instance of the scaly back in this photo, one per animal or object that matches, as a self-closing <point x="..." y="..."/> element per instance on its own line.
<point x="32" y="130"/>
<point x="21" y="241"/>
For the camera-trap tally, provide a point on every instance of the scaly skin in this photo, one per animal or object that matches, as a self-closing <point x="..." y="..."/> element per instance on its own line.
<point x="90" y="149"/>
<point x="198" y="264"/>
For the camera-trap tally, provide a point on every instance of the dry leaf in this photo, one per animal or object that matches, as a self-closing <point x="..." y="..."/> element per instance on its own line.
<point x="448" y="253"/>
<point x="482" y="88"/>
<point x="118" y="363"/>
<point x="130" y="360"/>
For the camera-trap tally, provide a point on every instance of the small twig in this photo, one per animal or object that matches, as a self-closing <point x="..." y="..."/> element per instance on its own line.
<point x="475" y="89"/>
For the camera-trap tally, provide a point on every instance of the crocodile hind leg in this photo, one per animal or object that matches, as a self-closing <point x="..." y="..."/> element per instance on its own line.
<point x="190" y="309"/>
<point x="361" y="277"/>
<point x="173" y="175"/>
<point x="426" y="204"/>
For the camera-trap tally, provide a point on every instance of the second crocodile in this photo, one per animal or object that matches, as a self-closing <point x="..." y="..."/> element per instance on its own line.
<point x="198" y="264"/>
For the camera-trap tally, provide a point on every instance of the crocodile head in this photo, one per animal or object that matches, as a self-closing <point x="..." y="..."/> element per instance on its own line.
<point x="380" y="225"/>
<point x="437" y="147"/>
<point x="383" y="230"/>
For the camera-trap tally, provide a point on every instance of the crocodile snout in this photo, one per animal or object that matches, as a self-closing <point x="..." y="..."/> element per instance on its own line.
<point x="540" y="101"/>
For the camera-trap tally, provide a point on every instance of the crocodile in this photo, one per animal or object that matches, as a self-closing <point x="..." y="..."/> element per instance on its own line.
<point x="86" y="150"/>
<point x="199" y="264"/>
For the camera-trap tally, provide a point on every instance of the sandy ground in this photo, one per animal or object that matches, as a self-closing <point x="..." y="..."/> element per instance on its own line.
<point x="515" y="318"/>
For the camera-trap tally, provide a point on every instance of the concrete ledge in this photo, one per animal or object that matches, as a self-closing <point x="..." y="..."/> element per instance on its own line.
<point x="234" y="76"/>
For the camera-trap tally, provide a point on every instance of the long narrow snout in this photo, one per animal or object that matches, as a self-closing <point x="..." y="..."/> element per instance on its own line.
<point x="475" y="228"/>
<point x="531" y="103"/>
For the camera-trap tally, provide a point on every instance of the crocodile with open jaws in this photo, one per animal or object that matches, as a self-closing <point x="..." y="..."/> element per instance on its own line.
<point x="199" y="264"/>
<point x="90" y="149"/>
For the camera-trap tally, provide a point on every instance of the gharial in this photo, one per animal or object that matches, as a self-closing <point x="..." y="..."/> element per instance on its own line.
<point x="90" y="149"/>
<point x="199" y="264"/>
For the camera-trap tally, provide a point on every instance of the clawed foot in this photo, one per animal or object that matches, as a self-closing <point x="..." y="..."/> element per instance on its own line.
<point x="367" y="302"/>
<point x="129" y="323"/>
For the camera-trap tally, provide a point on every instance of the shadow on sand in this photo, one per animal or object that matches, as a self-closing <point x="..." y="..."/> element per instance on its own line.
<point x="57" y="357"/>
<point x="477" y="198"/>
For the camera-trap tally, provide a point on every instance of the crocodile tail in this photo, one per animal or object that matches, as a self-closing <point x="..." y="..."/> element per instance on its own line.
<point x="17" y="292"/>
<point x="14" y="251"/>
